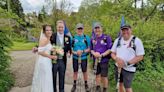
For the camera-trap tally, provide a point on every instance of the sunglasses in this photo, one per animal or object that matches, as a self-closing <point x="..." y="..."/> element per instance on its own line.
<point x="124" y="29"/>
<point x="80" y="28"/>
<point x="97" y="27"/>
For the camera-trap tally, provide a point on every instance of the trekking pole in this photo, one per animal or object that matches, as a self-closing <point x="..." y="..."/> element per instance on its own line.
<point x="98" y="60"/>
<point x="94" y="78"/>
<point x="79" y="75"/>
<point x="118" y="79"/>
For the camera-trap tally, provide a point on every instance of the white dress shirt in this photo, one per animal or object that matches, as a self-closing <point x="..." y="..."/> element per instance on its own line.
<point x="61" y="37"/>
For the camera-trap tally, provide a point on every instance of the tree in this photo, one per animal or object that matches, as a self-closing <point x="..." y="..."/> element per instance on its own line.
<point x="6" y="80"/>
<point x="43" y="11"/>
<point x="3" y="4"/>
<point x="17" y="8"/>
<point x="14" y="6"/>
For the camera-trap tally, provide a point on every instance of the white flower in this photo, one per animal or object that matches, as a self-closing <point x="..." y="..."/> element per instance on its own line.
<point x="66" y="39"/>
<point x="59" y="50"/>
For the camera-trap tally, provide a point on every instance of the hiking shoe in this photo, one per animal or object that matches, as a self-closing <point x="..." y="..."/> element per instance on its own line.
<point x="73" y="88"/>
<point x="87" y="88"/>
<point x="104" y="90"/>
<point x="98" y="89"/>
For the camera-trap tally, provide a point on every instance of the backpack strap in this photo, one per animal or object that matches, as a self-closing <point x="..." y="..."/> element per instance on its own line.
<point x="85" y="40"/>
<point x="119" y="42"/>
<point x="132" y="43"/>
<point x="73" y="41"/>
<point x="133" y="46"/>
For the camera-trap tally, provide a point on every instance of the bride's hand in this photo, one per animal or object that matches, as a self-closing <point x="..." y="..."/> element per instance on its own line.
<point x="53" y="50"/>
<point x="34" y="49"/>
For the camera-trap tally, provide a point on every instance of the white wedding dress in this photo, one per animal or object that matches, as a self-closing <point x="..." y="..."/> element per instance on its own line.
<point x="42" y="79"/>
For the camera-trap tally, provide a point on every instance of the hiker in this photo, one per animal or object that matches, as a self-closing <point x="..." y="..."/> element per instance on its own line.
<point x="100" y="49"/>
<point x="127" y="51"/>
<point x="81" y="48"/>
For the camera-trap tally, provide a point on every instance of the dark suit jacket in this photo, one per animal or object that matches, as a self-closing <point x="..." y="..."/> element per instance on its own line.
<point x="67" y="45"/>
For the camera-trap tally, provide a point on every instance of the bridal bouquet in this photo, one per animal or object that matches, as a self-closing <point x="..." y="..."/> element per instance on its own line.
<point x="57" y="50"/>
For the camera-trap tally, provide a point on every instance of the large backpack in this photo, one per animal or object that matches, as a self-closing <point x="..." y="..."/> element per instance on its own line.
<point x="131" y="44"/>
<point x="105" y="41"/>
<point x="85" y="41"/>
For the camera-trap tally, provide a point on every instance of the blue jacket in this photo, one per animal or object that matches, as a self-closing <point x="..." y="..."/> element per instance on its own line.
<point x="80" y="43"/>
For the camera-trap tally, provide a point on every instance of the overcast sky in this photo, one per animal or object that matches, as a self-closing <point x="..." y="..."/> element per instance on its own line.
<point x="36" y="5"/>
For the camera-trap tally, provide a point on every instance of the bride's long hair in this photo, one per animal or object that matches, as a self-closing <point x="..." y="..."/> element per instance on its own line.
<point x="42" y="33"/>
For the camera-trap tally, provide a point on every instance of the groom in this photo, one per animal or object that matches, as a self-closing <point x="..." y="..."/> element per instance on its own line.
<point x="60" y="39"/>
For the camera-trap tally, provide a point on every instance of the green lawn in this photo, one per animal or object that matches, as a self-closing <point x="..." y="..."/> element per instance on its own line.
<point x="17" y="46"/>
<point x="137" y="87"/>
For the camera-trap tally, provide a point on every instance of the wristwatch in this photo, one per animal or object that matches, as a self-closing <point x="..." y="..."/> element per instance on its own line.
<point x="102" y="55"/>
<point x="83" y="51"/>
<point x="128" y="63"/>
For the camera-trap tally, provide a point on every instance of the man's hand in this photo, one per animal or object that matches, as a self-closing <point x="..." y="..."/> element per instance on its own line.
<point x="34" y="49"/>
<point x="97" y="55"/>
<point x="120" y="62"/>
<point x="87" y="50"/>
<point x="68" y="54"/>
<point x="79" y="52"/>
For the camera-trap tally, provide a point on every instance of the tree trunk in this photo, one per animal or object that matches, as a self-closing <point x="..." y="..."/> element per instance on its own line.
<point x="142" y="9"/>
<point x="135" y="3"/>
<point x="151" y="13"/>
<point x="8" y="5"/>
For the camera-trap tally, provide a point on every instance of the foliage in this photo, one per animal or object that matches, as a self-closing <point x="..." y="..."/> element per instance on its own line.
<point x="9" y="21"/>
<point x="19" y="46"/>
<point x="14" y="6"/>
<point x="148" y="27"/>
<point x="6" y="79"/>
<point x="147" y="22"/>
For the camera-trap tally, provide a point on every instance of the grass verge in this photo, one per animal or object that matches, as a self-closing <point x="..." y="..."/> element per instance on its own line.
<point x="18" y="46"/>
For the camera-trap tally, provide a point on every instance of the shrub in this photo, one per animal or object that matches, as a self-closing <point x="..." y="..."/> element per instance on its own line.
<point x="6" y="79"/>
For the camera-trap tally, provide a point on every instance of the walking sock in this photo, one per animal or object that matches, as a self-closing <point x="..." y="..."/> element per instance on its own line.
<point x="97" y="87"/>
<point x="86" y="83"/>
<point x="104" y="89"/>
<point x="74" y="82"/>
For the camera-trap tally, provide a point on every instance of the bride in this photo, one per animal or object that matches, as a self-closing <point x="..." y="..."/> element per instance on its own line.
<point x="42" y="79"/>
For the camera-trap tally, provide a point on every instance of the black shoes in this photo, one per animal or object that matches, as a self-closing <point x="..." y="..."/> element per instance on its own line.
<point x="104" y="89"/>
<point x="73" y="88"/>
<point x="98" y="89"/>
<point x="87" y="88"/>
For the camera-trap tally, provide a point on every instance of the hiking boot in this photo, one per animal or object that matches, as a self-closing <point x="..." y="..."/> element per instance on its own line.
<point x="87" y="88"/>
<point x="73" y="88"/>
<point x="98" y="89"/>
<point x="104" y="89"/>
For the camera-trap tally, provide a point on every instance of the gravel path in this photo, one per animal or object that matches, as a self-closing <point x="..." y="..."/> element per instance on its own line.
<point x="22" y="67"/>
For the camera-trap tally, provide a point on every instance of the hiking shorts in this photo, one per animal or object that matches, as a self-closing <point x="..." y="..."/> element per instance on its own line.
<point x="126" y="77"/>
<point x="83" y="65"/>
<point x="102" y="68"/>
